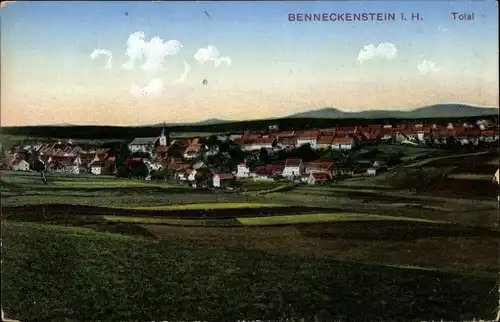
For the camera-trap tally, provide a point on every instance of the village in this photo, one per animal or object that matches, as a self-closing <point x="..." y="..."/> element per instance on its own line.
<point x="222" y="160"/>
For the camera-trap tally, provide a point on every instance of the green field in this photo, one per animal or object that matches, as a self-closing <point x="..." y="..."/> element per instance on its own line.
<point x="78" y="274"/>
<point x="351" y="263"/>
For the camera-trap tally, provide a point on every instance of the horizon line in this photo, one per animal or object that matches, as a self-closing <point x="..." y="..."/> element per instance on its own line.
<point x="195" y="123"/>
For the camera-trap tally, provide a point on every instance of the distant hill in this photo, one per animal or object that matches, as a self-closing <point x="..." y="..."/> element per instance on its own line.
<point x="59" y="124"/>
<point x="212" y="121"/>
<point x="432" y="111"/>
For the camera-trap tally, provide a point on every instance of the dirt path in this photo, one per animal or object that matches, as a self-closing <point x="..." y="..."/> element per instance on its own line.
<point x="426" y="161"/>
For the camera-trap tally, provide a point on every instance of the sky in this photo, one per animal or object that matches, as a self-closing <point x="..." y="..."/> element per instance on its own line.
<point x="131" y="63"/>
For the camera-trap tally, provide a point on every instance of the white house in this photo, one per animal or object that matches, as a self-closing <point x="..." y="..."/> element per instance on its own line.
<point x="317" y="177"/>
<point x="242" y="171"/>
<point x="344" y="143"/>
<point x="72" y="169"/>
<point x="308" y="137"/>
<point x="192" y="176"/>
<point x="96" y="169"/>
<point x="153" y="165"/>
<point x="293" y="168"/>
<point x="221" y="180"/>
<point x="19" y="164"/>
<point x="142" y="144"/>
<point x="259" y="143"/>
<point x="262" y="177"/>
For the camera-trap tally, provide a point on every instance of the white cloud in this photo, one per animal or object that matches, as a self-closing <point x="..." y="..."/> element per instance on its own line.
<point x="97" y="52"/>
<point x="185" y="74"/>
<point x="152" y="52"/>
<point x="383" y="50"/>
<point x="210" y="53"/>
<point x="154" y="88"/>
<point x="427" y="66"/>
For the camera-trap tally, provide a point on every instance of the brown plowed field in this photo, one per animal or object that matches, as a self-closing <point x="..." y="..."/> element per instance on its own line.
<point x="392" y="230"/>
<point x="63" y="211"/>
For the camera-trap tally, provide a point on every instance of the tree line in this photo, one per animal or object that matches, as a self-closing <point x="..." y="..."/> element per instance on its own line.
<point x="284" y="124"/>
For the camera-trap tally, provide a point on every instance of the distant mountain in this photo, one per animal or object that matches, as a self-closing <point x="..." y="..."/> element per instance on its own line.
<point x="432" y="111"/>
<point x="211" y="121"/>
<point x="59" y="124"/>
<point x="204" y="122"/>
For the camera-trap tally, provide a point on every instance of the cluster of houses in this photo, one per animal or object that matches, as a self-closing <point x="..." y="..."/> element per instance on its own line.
<point x="179" y="155"/>
<point x="60" y="157"/>
<point x="346" y="138"/>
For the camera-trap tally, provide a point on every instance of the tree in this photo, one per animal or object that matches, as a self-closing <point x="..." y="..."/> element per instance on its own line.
<point x="140" y="154"/>
<point x="211" y="141"/>
<point x="263" y="156"/>
<point x="162" y="174"/>
<point x="150" y="148"/>
<point x="138" y="170"/>
<point x="122" y="172"/>
<point x="122" y="152"/>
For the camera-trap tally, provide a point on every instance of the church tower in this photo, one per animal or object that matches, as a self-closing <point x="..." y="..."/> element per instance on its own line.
<point x="164" y="136"/>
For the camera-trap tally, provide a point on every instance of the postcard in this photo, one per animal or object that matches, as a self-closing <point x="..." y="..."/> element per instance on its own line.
<point x="249" y="160"/>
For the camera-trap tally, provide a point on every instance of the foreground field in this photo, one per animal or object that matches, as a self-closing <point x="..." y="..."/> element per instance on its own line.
<point x="81" y="249"/>
<point x="174" y="278"/>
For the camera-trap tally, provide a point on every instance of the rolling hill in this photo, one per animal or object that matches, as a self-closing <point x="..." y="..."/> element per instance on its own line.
<point x="432" y="111"/>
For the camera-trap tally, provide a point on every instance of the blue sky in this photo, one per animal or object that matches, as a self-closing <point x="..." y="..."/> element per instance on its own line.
<point x="49" y="43"/>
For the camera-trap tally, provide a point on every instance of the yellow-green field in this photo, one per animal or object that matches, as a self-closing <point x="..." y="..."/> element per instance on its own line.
<point x="317" y="218"/>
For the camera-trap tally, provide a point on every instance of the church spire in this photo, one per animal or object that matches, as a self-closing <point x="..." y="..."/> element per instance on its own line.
<point x="164" y="129"/>
<point x="165" y="136"/>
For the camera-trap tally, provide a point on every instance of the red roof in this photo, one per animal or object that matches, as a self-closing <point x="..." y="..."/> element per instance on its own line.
<point x="348" y="129"/>
<point x="263" y="170"/>
<point x="269" y="169"/>
<point x="386" y="130"/>
<point x="325" y="139"/>
<point x="320" y="175"/>
<point x="224" y="176"/>
<point x="344" y="140"/>
<point x="446" y="132"/>
<point x="359" y="137"/>
<point x="473" y="132"/>
<point x="133" y="161"/>
<point x="293" y="162"/>
<point x="283" y="134"/>
<point x="369" y="136"/>
<point x="264" y="140"/>
<point x="288" y="140"/>
<point x="308" y="135"/>
<point x="488" y="132"/>
<point x="323" y="165"/>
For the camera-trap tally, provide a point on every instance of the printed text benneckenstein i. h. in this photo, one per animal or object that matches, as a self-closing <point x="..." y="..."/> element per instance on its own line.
<point x="346" y="16"/>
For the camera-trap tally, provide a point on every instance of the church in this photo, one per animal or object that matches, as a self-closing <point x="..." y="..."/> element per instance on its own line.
<point x="149" y="144"/>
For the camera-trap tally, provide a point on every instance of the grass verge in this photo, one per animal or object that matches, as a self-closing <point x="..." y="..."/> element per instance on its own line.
<point x="316" y="218"/>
